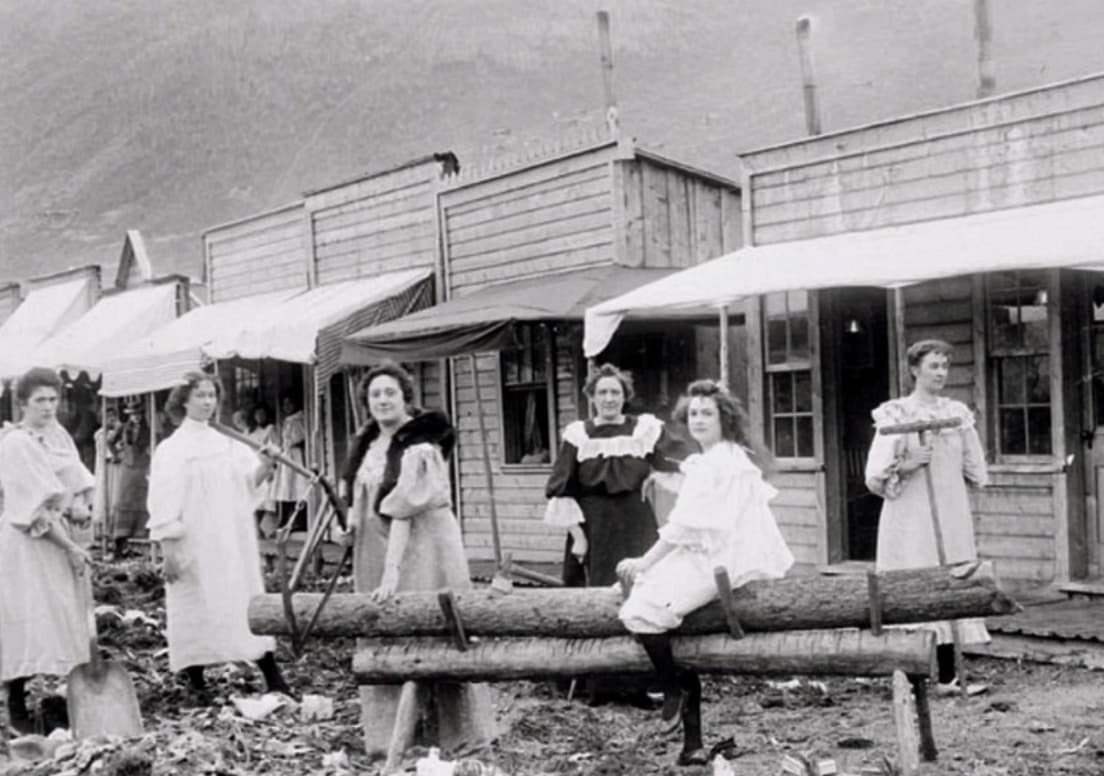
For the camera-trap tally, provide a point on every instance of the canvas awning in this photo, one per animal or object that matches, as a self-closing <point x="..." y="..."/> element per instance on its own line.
<point x="308" y="328"/>
<point x="484" y="320"/>
<point x="159" y="360"/>
<point x="1067" y="234"/>
<point x="87" y="343"/>
<point x="45" y="310"/>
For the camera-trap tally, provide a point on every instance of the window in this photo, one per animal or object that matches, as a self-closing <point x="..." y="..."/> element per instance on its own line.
<point x="527" y="382"/>
<point x="1019" y="355"/>
<point x="247" y="387"/>
<point x="789" y="374"/>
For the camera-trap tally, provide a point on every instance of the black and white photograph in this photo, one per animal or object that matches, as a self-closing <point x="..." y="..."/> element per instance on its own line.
<point x="533" y="387"/>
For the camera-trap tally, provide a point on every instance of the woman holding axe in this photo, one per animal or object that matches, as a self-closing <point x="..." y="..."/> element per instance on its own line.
<point x="202" y="492"/>
<point x="924" y="453"/>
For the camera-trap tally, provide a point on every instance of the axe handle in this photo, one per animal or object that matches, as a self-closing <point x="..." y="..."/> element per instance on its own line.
<point x="919" y="426"/>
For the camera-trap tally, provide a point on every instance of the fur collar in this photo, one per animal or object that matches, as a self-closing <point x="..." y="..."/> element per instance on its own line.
<point x="430" y="426"/>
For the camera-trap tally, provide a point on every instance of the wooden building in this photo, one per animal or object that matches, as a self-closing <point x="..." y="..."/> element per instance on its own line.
<point x="525" y="248"/>
<point x="1029" y="342"/>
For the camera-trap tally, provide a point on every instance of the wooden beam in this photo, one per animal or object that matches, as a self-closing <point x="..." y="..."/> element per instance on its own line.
<point x="804" y="30"/>
<point x="792" y="603"/>
<point x="846" y="652"/>
<point x="983" y="33"/>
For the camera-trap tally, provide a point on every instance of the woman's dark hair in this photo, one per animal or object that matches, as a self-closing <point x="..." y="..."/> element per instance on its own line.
<point x="609" y="370"/>
<point x="33" y="379"/>
<point x="916" y="353"/>
<point x="387" y="369"/>
<point x="735" y="423"/>
<point x="180" y="394"/>
<point x="251" y="421"/>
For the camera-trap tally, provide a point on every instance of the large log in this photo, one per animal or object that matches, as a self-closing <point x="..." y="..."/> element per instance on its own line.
<point x="793" y="603"/>
<point x="846" y="652"/>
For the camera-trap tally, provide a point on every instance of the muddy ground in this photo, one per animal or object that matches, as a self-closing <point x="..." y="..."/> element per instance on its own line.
<point x="1035" y="719"/>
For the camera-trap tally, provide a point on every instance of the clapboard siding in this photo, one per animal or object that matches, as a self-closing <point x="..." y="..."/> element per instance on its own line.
<point x="381" y="224"/>
<point x="1041" y="159"/>
<point x="670" y="218"/>
<point x="944" y="310"/>
<point x="795" y="509"/>
<point x="263" y="253"/>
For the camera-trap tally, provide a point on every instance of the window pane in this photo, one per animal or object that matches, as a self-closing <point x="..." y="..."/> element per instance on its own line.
<point x="1013" y="435"/>
<point x="797" y="302"/>
<point x="776" y="341"/>
<point x="805" y="436"/>
<point x="1038" y="430"/>
<point x="1004" y="322"/>
<point x="775" y="305"/>
<point x="525" y="367"/>
<point x="510" y="368"/>
<point x="999" y="280"/>
<point x="1034" y="322"/>
<point x="803" y="391"/>
<point x="799" y="336"/>
<point x="1011" y="377"/>
<point x="782" y="393"/>
<point x="784" y="437"/>
<point x="1038" y="379"/>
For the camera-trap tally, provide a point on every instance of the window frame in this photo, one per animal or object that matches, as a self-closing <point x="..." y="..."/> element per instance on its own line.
<point x="994" y="355"/>
<point x="790" y="366"/>
<point x="550" y="377"/>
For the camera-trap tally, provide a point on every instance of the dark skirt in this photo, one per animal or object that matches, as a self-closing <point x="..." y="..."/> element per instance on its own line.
<point x="130" y="511"/>
<point x="616" y="527"/>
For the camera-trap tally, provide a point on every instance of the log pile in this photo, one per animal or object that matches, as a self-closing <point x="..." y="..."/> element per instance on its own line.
<point x="796" y="625"/>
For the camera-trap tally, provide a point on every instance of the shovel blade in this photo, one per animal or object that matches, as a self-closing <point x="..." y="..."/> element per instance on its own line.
<point x="103" y="702"/>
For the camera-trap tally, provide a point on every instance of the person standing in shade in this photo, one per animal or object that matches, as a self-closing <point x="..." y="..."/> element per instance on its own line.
<point x="894" y="471"/>
<point x="203" y="490"/>
<point x="406" y="537"/>
<point x="44" y="587"/>
<point x="131" y="515"/>
<point x="596" y="493"/>
<point x="263" y="433"/>
<point x="722" y="518"/>
<point x="290" y="486"/>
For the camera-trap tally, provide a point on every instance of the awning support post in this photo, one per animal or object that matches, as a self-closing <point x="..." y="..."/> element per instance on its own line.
<point x="723" y="323"/>
<point x="496" y="539"/>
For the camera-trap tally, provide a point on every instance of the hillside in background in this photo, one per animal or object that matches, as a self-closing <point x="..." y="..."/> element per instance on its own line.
<point x="172" y="117"/>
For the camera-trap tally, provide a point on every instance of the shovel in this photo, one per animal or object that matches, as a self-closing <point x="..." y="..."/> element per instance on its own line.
<point x="101" y="696"/>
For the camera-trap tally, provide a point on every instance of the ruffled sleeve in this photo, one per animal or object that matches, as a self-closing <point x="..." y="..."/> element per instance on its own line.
<point x="167" y="490"/>
<point x="882" y="474"/>
<point x="28" y="482"/>
<point x="562" y="511"/>
<point x="423" y="484"/>
<point x="974" y="467"/>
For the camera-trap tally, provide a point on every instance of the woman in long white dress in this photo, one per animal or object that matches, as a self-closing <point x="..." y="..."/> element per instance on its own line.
<point x="406" y="537"/>
<point x="203" y="490"/>
<point x="44" y="590"/>
<point x="906" y="533"/>
<point x="722" y="518"/>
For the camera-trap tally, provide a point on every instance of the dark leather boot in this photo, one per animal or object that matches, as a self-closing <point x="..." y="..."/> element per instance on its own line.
<point x="693" y="751"/>
<point x="274" y="680"/>
<point x="658" y="647"/>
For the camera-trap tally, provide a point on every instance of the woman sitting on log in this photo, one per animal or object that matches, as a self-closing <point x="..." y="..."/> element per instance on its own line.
<point x="596" y="493"/>
<point x="721" y="519"/>
<point x="406" y="537"/>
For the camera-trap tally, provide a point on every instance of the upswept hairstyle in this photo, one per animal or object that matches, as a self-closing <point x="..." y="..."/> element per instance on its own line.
<point x="735" y="423"/>
<point x="609" y="370"/>
<point x="180" y="394"/>
<point x="917" y="351"/>
<point x="33" y="379"/>
<point x="387" y="369"/>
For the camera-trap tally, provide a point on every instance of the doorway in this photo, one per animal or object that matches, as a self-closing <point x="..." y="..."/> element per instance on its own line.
<point x="863" y="369"/>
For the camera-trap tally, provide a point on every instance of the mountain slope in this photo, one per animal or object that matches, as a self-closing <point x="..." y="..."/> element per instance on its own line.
<point x="172" y="117"/>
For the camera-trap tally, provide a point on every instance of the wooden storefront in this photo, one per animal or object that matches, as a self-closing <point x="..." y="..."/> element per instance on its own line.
<point x="1028" y="345"/>
<point x="605" y="204"/>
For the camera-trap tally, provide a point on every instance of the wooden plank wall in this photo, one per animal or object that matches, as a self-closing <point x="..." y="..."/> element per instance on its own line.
<point x="669" y="218"/>
<point x="797" y="510"/>
<point x="257" y="255"/>
<point x="944" y="310"/>
<point x="375" y="225"/>
<point x="1049" y="157"/>
<point x="541" y="219"/>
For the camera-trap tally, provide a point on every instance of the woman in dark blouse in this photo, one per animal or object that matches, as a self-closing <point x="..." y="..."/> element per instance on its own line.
<point x="596" y="490"/>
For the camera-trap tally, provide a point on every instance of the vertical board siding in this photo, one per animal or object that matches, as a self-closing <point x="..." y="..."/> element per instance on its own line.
<point x="671" y="217"/>
<point x="258" y="255"/>
<point x="377" y="225"/>
<point x="1040" y="159"/>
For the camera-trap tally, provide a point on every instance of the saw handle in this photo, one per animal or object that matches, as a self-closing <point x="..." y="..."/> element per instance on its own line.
<point x="920" y="426"/>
